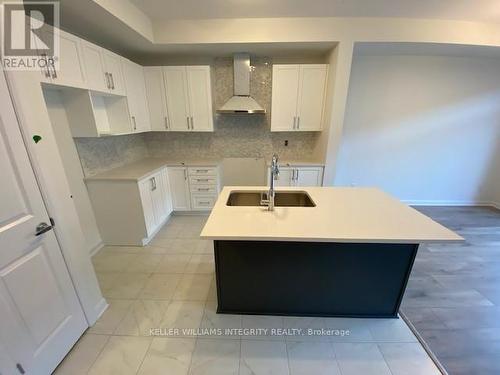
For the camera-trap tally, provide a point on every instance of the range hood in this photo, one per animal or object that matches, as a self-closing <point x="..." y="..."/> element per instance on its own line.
<point x="241" y="102"/>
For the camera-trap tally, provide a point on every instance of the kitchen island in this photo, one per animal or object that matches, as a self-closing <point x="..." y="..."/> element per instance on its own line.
<point x="323" y="251"/>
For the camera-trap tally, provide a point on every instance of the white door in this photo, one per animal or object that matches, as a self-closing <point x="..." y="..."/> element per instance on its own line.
<point x="177" y="97"/>
<point x="94" y="68"/>
<point x="285" y="178"/>
<point x="41" y="317"/>
<point x="200" y="98"/>
<point x="155" y="92"/>
<point x="284" y="97"/>
<point x="311" y="97"/>
<point x="309" y="176"/>
<point x="145" y="190"/>
<point x="179" y="187"/>
<point x="112" y="65"/>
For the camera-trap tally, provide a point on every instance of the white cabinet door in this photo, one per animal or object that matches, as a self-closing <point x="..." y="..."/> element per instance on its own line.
<point x="167" y="192"/>
<point x="136" y="96"/>
<point x="145" y="190"/>
<point x="70" y="71"/>
<point x="308" y="176"/>
<point x="177" y="97"/>
<point x="285" y="178"/>
<point x="159" y="198"/>
<point x="311" y="97"/>
<point x="41" y="317"/>
<point x="179" y="186"/>
<point x="112" y="65"/>
<point x="285" y="88"/>
<point x="155" y="92"/>
<point x="94" y="67"/>
<point x="200" y="98"/>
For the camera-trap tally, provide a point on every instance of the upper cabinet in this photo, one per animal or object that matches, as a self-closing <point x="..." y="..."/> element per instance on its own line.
<point x="136" y="96"/>
<point x="70" y="69"/>
<point x="155" y="92"/>
<point x="103" y="69"/>
<point x="188" y="98"/>
<point x="298" y="97"/>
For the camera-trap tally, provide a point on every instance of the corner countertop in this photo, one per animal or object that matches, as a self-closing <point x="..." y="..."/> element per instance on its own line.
<point x="342" y="214"/>
<point x="143" y="168"/>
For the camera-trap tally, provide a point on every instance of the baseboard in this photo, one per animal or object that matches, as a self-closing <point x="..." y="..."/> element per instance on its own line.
<point x="93" y="251"/>
<point x="99" y="309"/>
<point x="190" y="213"/>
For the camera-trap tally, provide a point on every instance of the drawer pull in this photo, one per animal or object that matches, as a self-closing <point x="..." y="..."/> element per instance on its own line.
<point x="202" y="170"/>
<point x="203" y="189"/>
<point x="202" y="179"/>
<point x="203" y="202"/>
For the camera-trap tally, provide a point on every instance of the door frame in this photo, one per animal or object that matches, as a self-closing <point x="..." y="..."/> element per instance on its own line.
<point x="25" y="91"/>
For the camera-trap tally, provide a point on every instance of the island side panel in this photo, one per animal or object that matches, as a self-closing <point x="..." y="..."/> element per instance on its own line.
<point x="312" y="278"/>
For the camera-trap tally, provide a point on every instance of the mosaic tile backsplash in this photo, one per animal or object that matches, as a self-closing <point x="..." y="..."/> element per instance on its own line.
<point x="234" y="135"/>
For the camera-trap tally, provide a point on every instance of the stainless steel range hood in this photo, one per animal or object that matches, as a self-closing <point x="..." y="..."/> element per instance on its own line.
<point x="241" y="102"/>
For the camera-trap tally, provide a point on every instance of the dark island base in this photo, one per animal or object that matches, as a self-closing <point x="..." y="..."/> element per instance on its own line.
<point x="312" y="278"/>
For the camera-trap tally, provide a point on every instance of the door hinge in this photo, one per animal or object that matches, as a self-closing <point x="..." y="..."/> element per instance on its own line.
<point x="20" y="368"/>
<point x="52" y="222"/>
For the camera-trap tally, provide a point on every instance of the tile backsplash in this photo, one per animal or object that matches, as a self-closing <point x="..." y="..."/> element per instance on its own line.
<point x="234" y="135"/>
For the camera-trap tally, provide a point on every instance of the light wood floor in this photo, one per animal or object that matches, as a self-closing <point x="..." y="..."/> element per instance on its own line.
<point x="453" y="296"/>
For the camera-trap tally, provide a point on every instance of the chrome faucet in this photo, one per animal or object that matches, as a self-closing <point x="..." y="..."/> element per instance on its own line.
<point x="275" y="172"/>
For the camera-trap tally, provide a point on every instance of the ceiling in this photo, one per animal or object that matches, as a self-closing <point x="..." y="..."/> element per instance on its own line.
<point x="472" y="10"/>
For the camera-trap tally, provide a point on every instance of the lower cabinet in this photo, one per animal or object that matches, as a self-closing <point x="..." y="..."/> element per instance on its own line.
<point x="194" y="188"/>
<point x="156" y="200"/>
<point x="180" y="188"/>
<point x="130" y="212"/>
<point x="299" y="176"/>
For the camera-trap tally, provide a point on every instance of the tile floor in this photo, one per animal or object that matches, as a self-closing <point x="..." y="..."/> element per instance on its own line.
<point x="170" y="284"/>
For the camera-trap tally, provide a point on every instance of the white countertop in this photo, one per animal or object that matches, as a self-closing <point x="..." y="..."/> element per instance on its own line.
<point x="342" y="214"/>
<point x="145" y="167"/>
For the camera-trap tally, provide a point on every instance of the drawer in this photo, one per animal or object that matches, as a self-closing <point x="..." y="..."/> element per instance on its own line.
<point x="204" y="189"/>
<point x="202" y="180"/>
<point x="202" y="171"/>
<point x="201" y="202"/>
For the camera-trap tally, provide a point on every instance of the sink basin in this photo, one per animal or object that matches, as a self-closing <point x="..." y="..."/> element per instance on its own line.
<point x="281" y="198"/>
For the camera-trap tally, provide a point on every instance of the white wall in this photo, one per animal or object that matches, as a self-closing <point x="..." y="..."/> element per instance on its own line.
<point x="423" y="128"/>
<point x="72" y="168"/>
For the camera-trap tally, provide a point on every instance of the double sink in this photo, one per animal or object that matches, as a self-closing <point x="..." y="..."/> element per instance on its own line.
<point x="281" y="198"/>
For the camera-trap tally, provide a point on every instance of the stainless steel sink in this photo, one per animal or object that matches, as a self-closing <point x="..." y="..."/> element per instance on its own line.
<point x="281" y="198"/>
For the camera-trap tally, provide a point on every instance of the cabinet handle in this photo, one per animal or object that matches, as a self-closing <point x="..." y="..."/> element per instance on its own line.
<point x="297" y="175"/>
<point x="106" y="74"/>
<point x="294" y="121"/>
<point x="187" y="119"/>
<point x="134" y="123"/>
<point x="112" y="81"/>
<point x="192" y="123"/>
<point x="47" y="71"/>
<point x="54" y="73"/>
<point x="203" y="189"/>
<point x="203" y="202"/>
<point x="166" y="122"/>
<point x="185" y="175"/>
<point x="298" y="122"/>
<point x="202" y="170"/>
<point x="202" y="179"/>
<point x="153" y="183"/>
